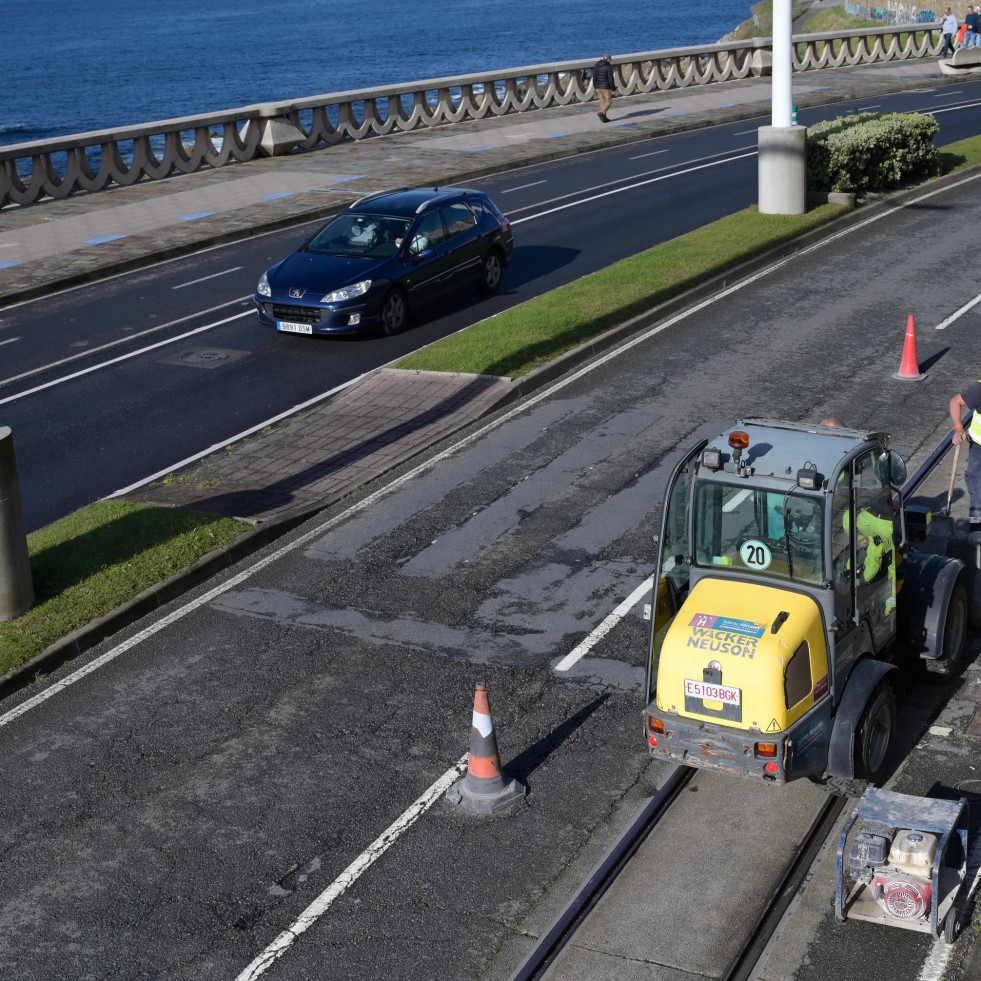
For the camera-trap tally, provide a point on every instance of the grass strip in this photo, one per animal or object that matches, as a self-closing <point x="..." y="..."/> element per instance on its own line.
<point x="957" y="156"/>
<point x="89" y="563"/>
<point x="514" y="342"/>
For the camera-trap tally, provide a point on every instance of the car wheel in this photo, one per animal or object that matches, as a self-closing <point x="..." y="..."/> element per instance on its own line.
<point x="874" y="735"/>
<point x="394" y="312"/>
<point x="491" y="271"/>
<point x="955" y="634"/>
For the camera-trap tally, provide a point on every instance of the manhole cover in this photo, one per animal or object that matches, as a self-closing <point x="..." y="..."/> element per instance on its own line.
<point x="204" y="357"/>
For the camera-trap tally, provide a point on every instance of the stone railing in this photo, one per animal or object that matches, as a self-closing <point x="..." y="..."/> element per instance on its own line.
<point x="94" y="161"/>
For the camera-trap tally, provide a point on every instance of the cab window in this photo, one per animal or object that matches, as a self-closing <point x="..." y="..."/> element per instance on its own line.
<point x="767" y="532"/>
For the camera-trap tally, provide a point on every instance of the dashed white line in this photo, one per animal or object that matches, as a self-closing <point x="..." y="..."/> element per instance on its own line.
<point x="123" y="357"/>
<point x="204" y="279"/>
<point x="867" y="108"/>
<point x="653" y="153"/>
<point x="958" y="313"/>
<point x="521" y="187"/>
<point x="744" y="132"/>
<point x="122" y="340"/>
<point x="352" y="873"/>
<point x="585" y="646"/>
<point x="9" y="340"/>
<point x="631" y="187"/>
<point x="943" y="95"/>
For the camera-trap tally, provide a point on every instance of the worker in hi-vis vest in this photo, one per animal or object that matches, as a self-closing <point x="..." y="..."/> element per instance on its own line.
<point x="970" y="398"/>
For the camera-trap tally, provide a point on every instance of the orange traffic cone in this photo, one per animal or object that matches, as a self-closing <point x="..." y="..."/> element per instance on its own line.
<point x="485" y="788"/>
<point x="909" y="370"/>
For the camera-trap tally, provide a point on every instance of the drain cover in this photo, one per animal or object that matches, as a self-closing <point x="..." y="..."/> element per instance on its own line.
<point x="204" y="357"/>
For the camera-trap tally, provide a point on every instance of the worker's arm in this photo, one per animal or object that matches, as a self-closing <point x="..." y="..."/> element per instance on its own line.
<point x="957" y="407"/>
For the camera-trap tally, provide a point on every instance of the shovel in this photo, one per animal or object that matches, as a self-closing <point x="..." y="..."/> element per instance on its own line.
<point x="953" y="477"/>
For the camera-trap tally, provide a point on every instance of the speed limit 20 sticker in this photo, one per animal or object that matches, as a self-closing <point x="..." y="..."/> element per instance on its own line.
<point x="755" y="554"/>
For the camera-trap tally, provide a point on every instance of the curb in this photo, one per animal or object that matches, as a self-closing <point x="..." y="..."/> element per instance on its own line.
<point x="155" y="597"/>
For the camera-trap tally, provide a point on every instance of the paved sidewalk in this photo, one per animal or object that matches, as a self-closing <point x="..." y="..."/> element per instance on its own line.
<point x="92" y="235"/>
<point x="317" y="457"/>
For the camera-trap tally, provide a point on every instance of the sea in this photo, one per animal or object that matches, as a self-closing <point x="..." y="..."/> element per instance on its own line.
<point x="71" y="67"/>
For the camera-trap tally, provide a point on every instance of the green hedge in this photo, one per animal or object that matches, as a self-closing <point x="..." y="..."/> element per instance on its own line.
<point x="870" y="151"/>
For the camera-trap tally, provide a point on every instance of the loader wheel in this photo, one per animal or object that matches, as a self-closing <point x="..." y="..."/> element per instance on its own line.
<point x="874" y="735"/>
<point x="955" y="634"/>
<point x="952" y="926"/>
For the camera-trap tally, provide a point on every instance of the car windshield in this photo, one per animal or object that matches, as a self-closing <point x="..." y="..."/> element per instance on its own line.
<point x="773" y="533"/>
<point x="360" y="236"/>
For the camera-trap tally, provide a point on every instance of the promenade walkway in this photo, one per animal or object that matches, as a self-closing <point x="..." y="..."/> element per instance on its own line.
<point x="307" y="462"/>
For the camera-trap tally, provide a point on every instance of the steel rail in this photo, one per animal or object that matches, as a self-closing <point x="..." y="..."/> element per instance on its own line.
<point x="568" y="921"/>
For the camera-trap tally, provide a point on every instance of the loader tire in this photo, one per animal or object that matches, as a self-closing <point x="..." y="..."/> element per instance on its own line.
<point x="955" y="635"/>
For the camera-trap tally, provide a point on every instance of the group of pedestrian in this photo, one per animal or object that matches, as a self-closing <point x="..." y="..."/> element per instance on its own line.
<point x="968" y="34"/>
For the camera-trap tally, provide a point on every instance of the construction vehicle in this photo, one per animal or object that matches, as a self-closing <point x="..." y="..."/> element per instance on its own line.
<point x="789" y="606"/>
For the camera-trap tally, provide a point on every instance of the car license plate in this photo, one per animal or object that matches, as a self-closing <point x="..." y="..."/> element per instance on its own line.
<point x="289" y="328"/>
<point x="712" y="693"/>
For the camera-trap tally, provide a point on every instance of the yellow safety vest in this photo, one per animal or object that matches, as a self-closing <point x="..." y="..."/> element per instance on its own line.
<point x="974" y="427"/>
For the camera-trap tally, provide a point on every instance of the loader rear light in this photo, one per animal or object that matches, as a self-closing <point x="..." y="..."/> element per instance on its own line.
<point x="766" y="751"/>
<point x="770" y="767"/>
<point x="656" y="725"/>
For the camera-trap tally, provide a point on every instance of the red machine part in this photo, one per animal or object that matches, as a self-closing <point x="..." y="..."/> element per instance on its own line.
<point x="905" y="898"/>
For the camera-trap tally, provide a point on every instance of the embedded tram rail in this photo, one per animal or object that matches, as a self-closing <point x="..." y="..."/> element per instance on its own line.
<point x="815" y="822"/>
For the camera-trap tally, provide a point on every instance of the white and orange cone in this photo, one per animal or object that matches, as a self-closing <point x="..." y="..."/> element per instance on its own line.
<point x="485" y="788"/>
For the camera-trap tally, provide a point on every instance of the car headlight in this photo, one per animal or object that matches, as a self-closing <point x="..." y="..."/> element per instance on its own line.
<point x="264" y="289"/>
<point x="348" y="292"/>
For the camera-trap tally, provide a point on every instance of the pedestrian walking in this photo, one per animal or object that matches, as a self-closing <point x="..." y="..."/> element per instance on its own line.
<point x="949" y="28"/>
<point x="973" y="21"/>
<point x="970" y="398"/>
<point x="603" y="83"/>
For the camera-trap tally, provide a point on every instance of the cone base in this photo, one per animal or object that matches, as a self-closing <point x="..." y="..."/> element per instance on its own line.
<point x="485" y="803"/>
<point x="899" y="376"/>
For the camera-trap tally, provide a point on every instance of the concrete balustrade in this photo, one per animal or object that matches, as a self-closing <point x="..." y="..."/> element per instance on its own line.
<point x="94" y="161"/>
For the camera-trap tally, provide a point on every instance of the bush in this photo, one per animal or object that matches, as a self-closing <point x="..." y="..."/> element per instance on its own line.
<point x="870" y="151"/>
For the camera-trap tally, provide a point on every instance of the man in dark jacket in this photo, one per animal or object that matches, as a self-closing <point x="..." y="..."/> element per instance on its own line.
<point x="973" y="22"/>
<point x="603" y="83"/>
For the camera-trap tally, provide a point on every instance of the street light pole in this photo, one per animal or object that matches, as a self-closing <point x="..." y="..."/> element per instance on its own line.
<point x="782" y="145"/>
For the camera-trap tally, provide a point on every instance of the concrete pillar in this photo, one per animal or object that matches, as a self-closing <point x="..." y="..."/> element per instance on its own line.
<point x="782" y="170"/>
<point x="16" y="586"/>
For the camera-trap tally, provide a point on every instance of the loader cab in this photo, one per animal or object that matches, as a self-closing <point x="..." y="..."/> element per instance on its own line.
<point x="806" y="509"/>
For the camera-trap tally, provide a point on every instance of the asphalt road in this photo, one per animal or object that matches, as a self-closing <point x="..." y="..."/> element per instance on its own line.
<point x="171" y="813"/>
<point x="99" y="398"/>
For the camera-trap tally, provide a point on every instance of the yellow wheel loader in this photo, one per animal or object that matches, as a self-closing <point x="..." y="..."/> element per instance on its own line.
<point x="787" y="602"/>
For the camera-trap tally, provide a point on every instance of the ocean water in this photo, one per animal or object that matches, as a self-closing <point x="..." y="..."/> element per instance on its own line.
<point x="70" y="67"/>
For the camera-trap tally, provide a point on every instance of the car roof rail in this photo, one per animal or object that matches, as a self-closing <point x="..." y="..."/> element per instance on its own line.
<point x="381" y="194"/>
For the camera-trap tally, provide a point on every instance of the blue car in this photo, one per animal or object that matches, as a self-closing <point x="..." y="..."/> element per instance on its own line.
<point x="386" y="255"/>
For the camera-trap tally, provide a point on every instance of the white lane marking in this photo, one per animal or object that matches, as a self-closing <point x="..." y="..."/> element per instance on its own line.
<point x="124" y="357"/>
<point x="630" y="187"/>
<point x="9" y="340"/>
<point x="936" y="112"/>
<point x="122" y="340"/>
<point x="746" y="132"/>
<point x="585" y="646"/>
<point x="395" y="485"/>
<point x="352" y="873"/>
<point x="734" y="503"/>
<point x="943" y="95"/>
<point x="621" y="180"/>
<point x="867" y="108"/>
<point x="520" y="187"/>
<point x="204" y="279"/>
<point x="242" y="435"/>
<point x="653" y="153"/>
<point x="958" y="313"/>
